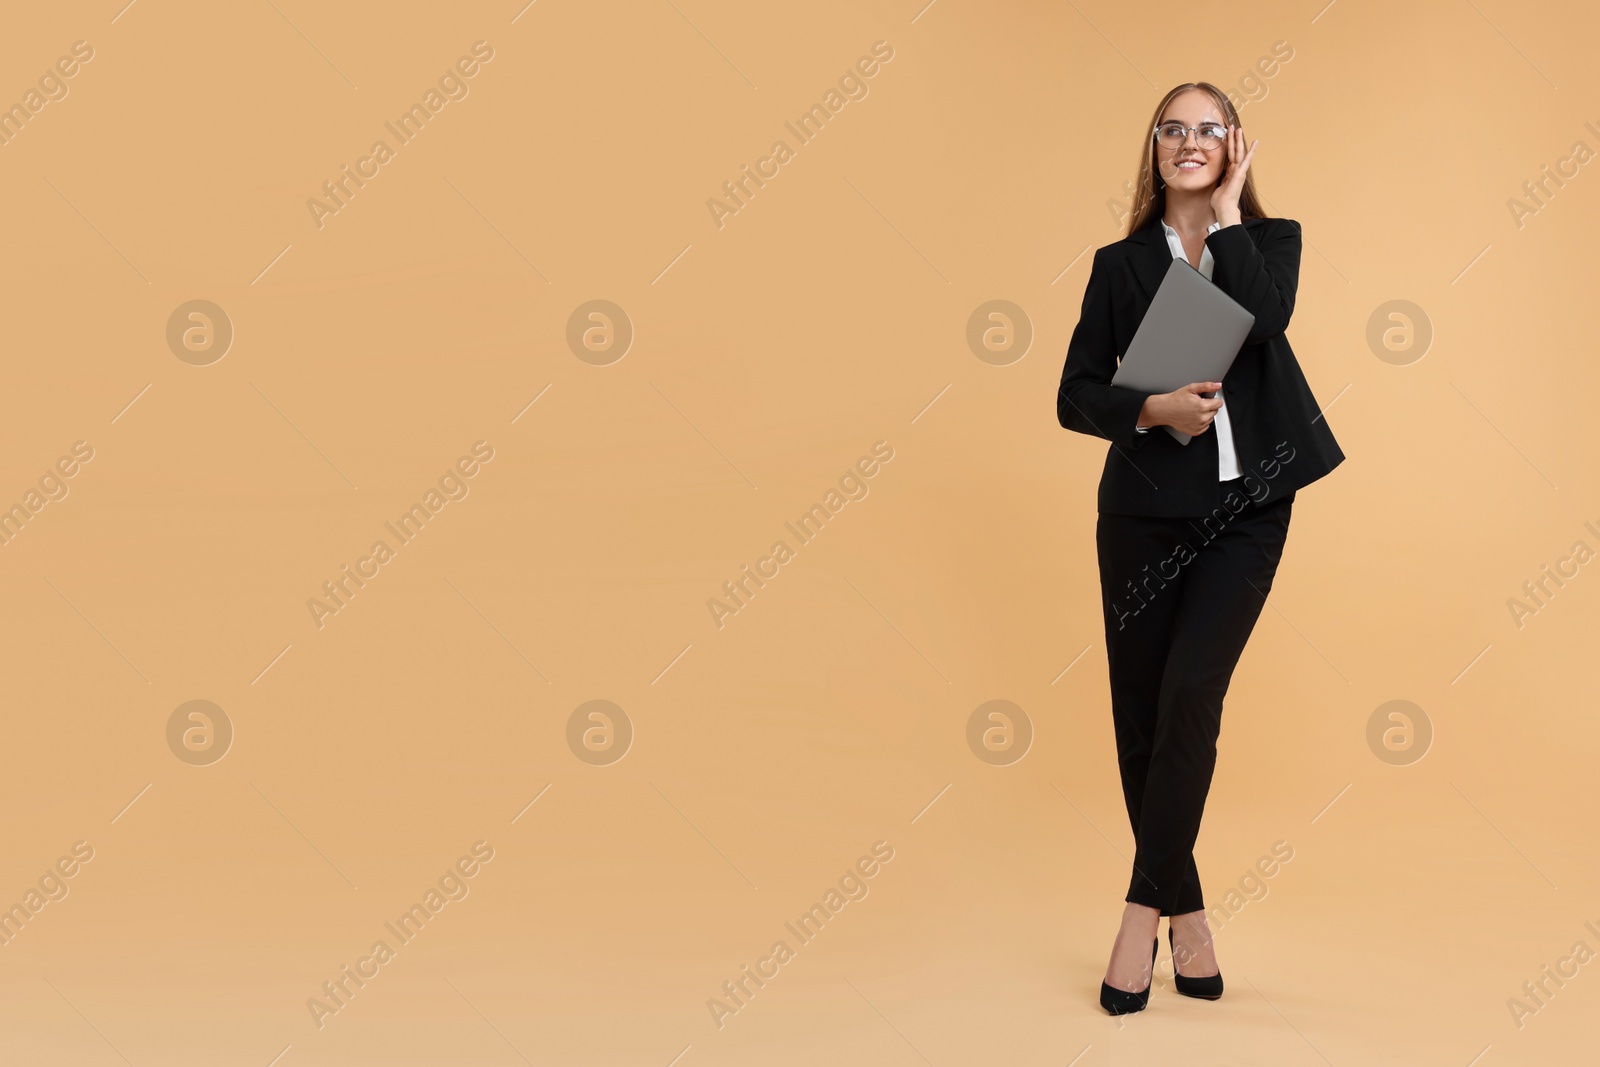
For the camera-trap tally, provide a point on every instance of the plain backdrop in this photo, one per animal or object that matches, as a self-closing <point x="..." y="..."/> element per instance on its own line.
<point x="770" y="349"/>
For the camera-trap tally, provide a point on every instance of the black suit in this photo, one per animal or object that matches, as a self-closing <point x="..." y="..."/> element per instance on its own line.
<point x="1278" y="437"/>
<point x="1186" y="561"/>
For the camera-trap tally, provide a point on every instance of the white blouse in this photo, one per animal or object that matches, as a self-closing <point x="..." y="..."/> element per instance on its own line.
<point x="1227" y="459"/>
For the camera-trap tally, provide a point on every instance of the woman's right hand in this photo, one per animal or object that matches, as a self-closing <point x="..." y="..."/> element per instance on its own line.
<point x="1185" y="410"/>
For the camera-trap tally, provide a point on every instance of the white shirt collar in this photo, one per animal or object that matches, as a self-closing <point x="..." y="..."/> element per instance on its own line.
<point x="1173" y="233"/>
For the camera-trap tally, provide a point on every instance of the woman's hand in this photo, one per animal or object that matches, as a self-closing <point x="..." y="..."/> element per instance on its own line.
<point x="1225" y="197"/>
<point x="1185" y="410"/>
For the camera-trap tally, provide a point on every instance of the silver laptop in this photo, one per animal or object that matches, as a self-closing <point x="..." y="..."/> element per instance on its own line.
<point x="1190" y="333"/>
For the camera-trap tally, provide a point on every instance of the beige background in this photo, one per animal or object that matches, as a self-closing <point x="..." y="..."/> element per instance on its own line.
<point x="986" y="162"/>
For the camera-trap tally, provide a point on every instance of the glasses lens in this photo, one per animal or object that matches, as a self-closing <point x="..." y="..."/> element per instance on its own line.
<point x="1173" y="134"/>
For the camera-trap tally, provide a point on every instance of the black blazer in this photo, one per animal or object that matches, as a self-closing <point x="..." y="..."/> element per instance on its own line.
<point x="1279" y="439"/>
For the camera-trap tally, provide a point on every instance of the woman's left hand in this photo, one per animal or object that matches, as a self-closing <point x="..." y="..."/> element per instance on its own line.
<point x="1225" y="198"/>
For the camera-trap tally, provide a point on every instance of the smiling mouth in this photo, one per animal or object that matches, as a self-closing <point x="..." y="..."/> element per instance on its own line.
<point x="1190" y="164"/>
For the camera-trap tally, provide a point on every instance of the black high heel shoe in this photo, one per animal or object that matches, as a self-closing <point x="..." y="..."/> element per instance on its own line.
<point x="1207" y="988"/>
<point x="1120" y="1001"/>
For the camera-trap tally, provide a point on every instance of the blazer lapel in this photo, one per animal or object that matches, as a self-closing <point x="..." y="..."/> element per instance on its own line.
<point x="1151" y="260"/>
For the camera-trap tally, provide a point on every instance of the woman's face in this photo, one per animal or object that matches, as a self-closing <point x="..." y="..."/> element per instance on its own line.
<point x="1175" y="165"/>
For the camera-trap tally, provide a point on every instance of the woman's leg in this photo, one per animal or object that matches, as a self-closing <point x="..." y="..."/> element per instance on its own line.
<point x="1223" y="591"/>
<point x="1140" y="584"/>
<point x="1140" y="608"/>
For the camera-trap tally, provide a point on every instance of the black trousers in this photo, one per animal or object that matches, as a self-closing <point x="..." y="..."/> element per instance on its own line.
<point x="1181" y="596"/>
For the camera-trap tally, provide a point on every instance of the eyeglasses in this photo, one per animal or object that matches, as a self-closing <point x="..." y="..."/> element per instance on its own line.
<point x="1207" y="135"/>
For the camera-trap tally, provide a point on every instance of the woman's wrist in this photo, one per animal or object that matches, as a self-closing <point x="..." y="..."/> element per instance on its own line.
<point x="1148" y="414"/>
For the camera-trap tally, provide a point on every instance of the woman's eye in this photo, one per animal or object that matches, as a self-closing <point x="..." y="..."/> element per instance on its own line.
<point x="1212" y="130"/>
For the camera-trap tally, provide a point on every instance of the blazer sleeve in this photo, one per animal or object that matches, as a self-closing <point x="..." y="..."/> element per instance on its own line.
<point x="1087" y="401"/>
<point x="1261" y="278"/>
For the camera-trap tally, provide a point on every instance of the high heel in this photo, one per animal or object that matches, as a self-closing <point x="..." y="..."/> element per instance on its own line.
<point x="1207" y="988"/>
<point x="1122" y="1002"/>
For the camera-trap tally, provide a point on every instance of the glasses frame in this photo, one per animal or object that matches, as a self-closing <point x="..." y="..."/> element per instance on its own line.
<point x="1155" y="135"/>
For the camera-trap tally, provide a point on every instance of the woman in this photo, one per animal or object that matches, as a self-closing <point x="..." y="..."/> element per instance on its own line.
<point x="1189" y="536"/>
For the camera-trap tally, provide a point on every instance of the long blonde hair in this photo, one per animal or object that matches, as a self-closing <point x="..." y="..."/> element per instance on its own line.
<point x="1150" y="200"/>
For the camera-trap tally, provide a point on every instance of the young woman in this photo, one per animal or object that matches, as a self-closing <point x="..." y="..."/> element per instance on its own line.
<point x="1189" y="536"/>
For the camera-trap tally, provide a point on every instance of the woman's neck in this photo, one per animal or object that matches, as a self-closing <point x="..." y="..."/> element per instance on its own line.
<point x="1189" y="213"/>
